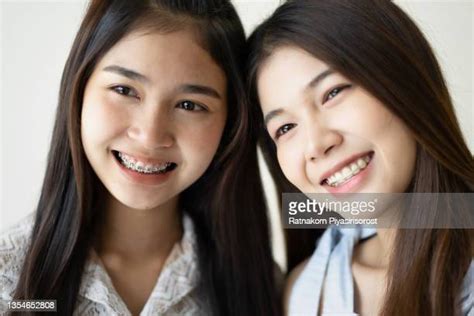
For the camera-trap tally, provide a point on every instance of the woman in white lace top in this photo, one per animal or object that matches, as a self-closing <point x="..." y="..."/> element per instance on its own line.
<point x="151" y="203"/>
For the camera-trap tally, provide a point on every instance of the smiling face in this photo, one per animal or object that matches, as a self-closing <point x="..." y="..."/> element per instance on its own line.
<point x="153" y="114"/>
<point x="331" y="135"/>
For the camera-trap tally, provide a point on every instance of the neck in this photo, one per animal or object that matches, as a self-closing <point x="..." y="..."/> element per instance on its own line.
<point x="132" y="234"/>
<point x="385" y="239"/>
<point x="375" y="252"/>
<point x="380" y="247"/>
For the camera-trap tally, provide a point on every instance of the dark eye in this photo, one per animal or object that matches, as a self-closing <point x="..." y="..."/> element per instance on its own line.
<point x="334" y="92"/>
<point x="190" y="106"/>
<point x="283" y="130"/>
<point x="125" y="91"/>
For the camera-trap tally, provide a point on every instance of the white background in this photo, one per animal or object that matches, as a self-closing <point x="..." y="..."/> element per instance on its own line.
<point x="35" y="40"/>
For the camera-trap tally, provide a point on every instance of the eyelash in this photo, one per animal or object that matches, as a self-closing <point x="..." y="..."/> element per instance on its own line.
<point x="281" y="131"/>
<point x="125" y="91"/>
<point x="185" y="105"/>
<point x="182" y="105"/>
<point x="329" y="96"/>
<point x="334" y="93"/>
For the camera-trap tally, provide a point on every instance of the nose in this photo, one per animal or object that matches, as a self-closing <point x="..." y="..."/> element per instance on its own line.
<point x="152" y="129"/>
<point x="320" y="139"/>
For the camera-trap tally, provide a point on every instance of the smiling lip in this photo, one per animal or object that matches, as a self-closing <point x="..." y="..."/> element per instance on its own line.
<point x="342" y="164"/>
<point x="143" y="159"/>
<point x="352" y="184"/>
<point x="143" y="178"/>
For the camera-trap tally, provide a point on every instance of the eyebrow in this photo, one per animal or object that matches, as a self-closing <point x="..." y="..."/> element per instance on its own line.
<point x="131" y="74"/>
<point x="199" y="89"/>
<point x="185" y="88"/>
<point x="270" y="115"/>
<point x="317" y="80"/>
<point x="313" y="83"/>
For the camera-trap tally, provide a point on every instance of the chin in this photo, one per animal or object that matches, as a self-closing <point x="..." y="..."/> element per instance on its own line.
<point x="140" y="206"/>
<point x="139" y="201"/>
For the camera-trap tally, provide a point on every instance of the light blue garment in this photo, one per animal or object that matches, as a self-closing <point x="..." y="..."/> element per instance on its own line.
<point x="332" y="260"/>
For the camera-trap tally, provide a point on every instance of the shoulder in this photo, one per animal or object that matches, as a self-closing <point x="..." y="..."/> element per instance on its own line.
<point x="467" y="294"/>
<point x="15" y="239"/>
<point x="309" y="274"/>
<point x="290" y="282"/>
<point x="14" y="243"/>
<point x="330" y="236"/>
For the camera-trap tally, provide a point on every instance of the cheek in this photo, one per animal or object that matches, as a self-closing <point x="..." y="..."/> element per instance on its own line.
<point x="390" y="138"/>
<point x="199" y="140"/>
<point x="398" y="148"/>
<point x="292" y="163"/>
<point x="366" y="119"/>
<point x="100" y="120"/>
<point x="395" y="144"/>
<point x="362" y="116"/>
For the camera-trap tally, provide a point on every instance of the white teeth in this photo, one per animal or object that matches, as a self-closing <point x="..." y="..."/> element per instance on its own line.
<point x="141" y="167"/>
<point x="348" y="171"/>
<point x="148" y="168"/>
<point x="361" y="163"/>
<point x="127" y="158"/>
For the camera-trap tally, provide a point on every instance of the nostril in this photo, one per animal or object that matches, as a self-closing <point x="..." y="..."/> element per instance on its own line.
<point x="328" y="149"/>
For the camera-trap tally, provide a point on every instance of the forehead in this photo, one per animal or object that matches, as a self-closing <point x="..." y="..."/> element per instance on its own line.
<point x="157" y="55"/>
<point x="285" y="74"/>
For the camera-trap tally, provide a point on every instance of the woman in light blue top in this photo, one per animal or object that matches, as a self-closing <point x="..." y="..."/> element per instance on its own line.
<point x="353" y="100"/>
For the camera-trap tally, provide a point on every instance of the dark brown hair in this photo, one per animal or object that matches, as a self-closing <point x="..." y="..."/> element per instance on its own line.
<point x="226" y="203"/>
<point x="376" y="45"/>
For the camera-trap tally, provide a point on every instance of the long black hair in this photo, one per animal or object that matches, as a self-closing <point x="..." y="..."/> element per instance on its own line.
<point x="376" y="45"/>
<point x="226" y="204"/>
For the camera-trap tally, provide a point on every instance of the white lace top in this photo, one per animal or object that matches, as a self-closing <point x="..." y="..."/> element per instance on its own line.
<point x="175" y="292"/>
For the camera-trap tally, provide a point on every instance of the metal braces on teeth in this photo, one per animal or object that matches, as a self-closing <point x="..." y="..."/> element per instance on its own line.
<point x="129" y="165"/>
